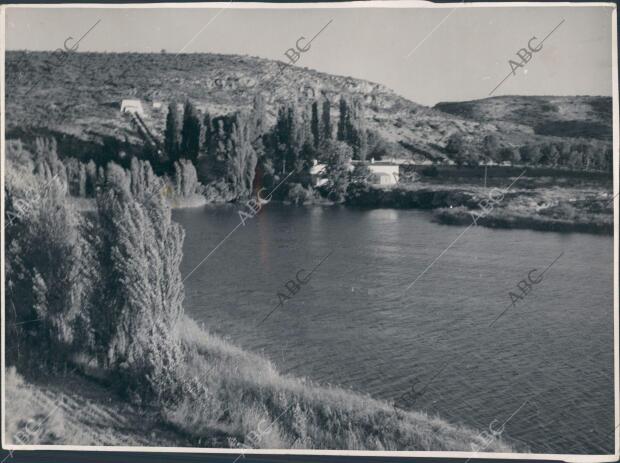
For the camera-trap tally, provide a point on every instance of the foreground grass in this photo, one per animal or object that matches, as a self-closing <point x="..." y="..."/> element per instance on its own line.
<point x="70" y="409"/>
<point x="31" y="418"/>
<point x="244" y="395"/>
<point x="242" y="401"/>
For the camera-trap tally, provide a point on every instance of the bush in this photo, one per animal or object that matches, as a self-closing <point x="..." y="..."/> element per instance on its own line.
<point x="297" y="194"/>
<point x="563" y="210"/>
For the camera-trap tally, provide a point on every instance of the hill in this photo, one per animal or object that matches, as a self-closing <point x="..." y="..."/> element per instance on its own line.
<point x="560" y="116"/>
<point x="79" y="98"/>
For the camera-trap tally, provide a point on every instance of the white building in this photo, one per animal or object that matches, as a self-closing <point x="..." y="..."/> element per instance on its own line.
<point x="385" y="172"/>
<point x="157" y="105"/>
<point x="132" y="107"/>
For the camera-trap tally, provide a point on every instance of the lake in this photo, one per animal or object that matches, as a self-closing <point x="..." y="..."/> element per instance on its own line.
<point x="544" y="368"/>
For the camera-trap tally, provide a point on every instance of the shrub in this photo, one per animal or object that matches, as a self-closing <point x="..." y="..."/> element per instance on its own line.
<point x="297" y="194"/>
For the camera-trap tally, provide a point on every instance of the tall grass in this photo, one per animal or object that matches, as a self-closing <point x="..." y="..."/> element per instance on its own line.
<point x="242" y="394"/>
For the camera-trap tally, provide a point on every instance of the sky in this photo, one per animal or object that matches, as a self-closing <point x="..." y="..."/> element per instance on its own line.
<point x="427" y="55"/>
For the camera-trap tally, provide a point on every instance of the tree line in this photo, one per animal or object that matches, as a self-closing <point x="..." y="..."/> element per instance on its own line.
<point x="84" y="179"/>
<point x="104" y="285"/>
<point x="238" y="153"/>
<point x="578" y="154"/>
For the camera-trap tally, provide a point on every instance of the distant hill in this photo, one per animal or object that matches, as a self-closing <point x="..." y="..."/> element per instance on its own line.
<point x="560" y="116"/>
<point x="80" y="99"/>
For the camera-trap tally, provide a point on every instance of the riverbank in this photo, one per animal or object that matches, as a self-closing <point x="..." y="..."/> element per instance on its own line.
<point x="241" y="393"/>
<point x="544" y="208"/>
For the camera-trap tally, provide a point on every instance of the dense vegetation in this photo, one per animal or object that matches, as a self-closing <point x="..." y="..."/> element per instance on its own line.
<point x="232" y="156"/>
<point x="566" y="153"/>
<point x="237" y="154"/>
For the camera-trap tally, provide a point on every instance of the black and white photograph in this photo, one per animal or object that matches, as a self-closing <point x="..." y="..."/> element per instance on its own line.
<point x="349" y="229"/>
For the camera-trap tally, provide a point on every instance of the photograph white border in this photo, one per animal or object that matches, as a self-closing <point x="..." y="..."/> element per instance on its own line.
<point x="348" y="453"/>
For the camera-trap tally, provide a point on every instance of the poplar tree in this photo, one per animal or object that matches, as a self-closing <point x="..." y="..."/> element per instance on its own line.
<point x="140" y="295"/>
<point x="314" y="124"/>
<point x="190" y="133"/>
<point x="343" y="120"/>
<point x="356" y="130"/>
<point x="326" y="124"/>
<point x="45" y="258"/>
<point x="185" y="178"/>
<point x="172" y="133"/>
<point x="207" y="134"/>
<point x="241" y="156"/>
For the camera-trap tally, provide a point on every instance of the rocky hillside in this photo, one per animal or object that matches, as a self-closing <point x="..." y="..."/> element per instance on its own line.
<point x="561" y="116"/>
<point x="79" y="97"/>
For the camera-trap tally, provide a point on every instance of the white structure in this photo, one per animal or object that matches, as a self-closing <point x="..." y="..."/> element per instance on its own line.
<point x="132" y="107"/>
<point x="385" y="173"/>
<point x="317" y="172"/>
<point x="157" y="105"/>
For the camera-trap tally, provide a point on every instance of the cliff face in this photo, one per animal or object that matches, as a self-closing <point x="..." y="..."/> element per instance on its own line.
<point x="80" y="98"/>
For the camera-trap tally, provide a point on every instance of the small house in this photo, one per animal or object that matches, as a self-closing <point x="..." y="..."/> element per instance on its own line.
<point x="385" y="172"/>
<point x="157" y="105"/>
<point x="132" y="107"/>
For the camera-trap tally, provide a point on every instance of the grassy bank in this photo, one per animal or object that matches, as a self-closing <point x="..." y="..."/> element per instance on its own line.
<point x="70" y="409"/>
<point x="243" y="390"/>
<point x="240" y="393"/>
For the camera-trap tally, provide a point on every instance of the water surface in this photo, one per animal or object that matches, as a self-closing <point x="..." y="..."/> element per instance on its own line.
<point x="544" y="368"/>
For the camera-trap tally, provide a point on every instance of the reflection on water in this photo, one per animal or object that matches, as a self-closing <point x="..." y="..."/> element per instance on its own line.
<point x="355" y="325"/>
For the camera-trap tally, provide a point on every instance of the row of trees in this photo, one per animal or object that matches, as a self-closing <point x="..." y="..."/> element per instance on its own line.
<point x="84" y="179"/>
<point x="238" y="150"/>
<point x="574" y="154"/>
<point x="106" y="285"/>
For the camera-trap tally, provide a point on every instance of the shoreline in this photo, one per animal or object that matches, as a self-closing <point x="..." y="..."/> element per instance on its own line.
<point x="545" y="209"/>
<point x="460" y="216"/>
<point x="239" y="388"/>
<point x="449" y="206"/>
